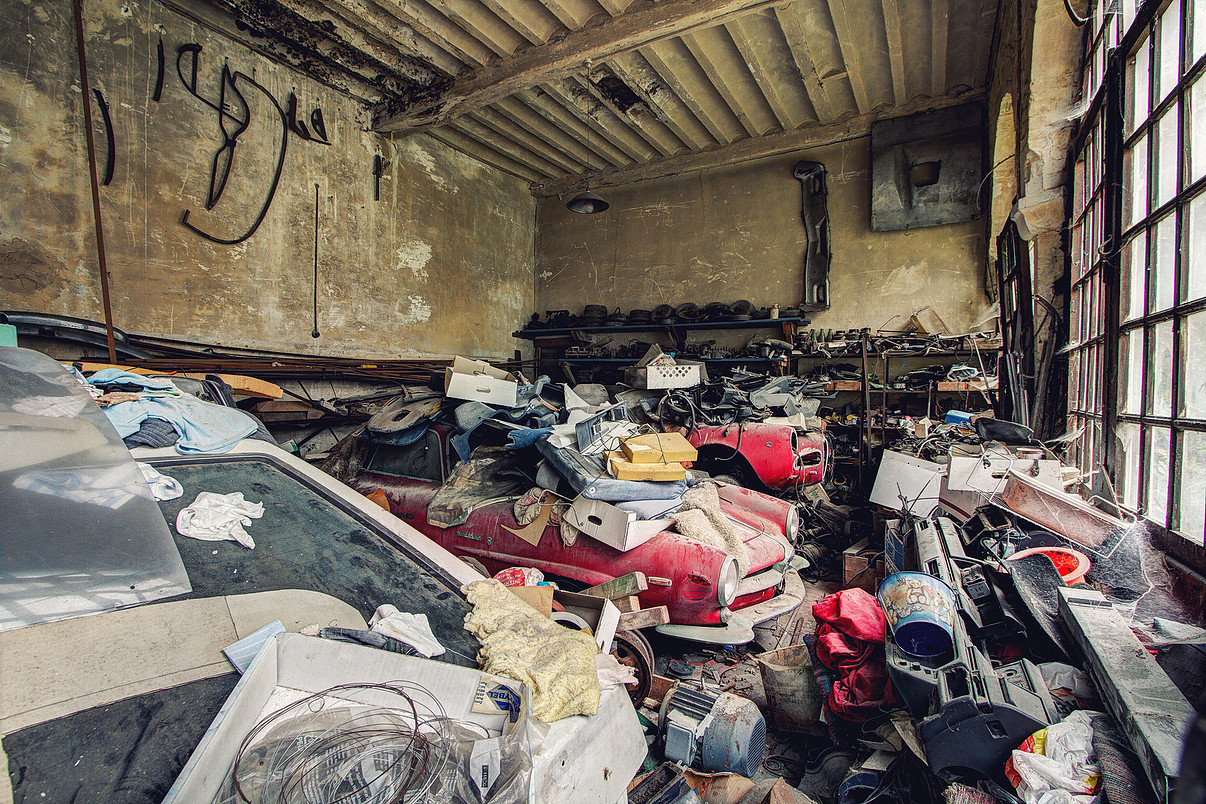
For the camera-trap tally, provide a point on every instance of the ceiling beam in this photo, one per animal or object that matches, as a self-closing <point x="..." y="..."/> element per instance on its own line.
<point x="557" y="60"/>
<point x="746" y="150"/>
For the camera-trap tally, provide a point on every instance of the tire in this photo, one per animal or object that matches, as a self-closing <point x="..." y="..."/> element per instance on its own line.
<point x="631" y="649"/>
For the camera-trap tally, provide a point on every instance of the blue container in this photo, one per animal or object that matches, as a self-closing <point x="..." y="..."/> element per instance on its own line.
<point x="921" y="613"/>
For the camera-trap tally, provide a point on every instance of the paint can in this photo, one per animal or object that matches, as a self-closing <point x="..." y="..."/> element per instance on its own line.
<point x="920" y="610"/>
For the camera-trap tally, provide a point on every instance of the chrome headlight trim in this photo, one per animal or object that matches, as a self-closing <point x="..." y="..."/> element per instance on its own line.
<point x="728" y="581"/>
<point x="792" y="526"/>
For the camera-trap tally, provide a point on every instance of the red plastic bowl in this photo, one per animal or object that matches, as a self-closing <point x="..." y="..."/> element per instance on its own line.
<point x="1071" y="564"/>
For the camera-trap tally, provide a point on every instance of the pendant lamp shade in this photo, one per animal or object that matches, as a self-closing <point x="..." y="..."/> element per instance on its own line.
<point x="587" y="203"/>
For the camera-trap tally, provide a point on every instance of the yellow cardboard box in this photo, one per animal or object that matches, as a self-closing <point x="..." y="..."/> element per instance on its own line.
<point x="624" y="469"/>
<point x="659" y="448"/>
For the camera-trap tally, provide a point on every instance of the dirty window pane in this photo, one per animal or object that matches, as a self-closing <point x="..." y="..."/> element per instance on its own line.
<point x="1130" y="374"/>
<point x="1074" y="379"/>
<point x="1196" y="115"/>
<point x="1194" y="367"/>
<point x="1134" y="278"/>
<point x="1164" y="269"/>
<point x="1168" y="157"/>
<point x="1092" y="395"/>
<point x="1196" y="225"/>
<point x="1168" y="48"/>
<point x="1197" y="29"/>
<point x="1128" y="463"/>
<point x="1160" y="381"/>
<point x="1157" y="474"/>
<point x="1192" y="518"/>
<point x="1074" y="315"/>
<point x="1138" y="86"/>
<point x="1134" y="183"/>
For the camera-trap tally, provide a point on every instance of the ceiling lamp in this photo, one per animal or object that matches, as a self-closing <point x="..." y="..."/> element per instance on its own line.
<point x="587" y="203"/>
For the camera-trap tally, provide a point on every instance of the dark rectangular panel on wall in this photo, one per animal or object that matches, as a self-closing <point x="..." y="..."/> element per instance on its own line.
<point x="926" y="168"/>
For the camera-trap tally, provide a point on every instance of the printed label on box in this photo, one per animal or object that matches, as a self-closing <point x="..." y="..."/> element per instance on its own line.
<point x="492" y="698"/>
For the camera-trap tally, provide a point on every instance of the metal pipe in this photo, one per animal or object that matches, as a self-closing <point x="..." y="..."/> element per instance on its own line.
<point x="96" y="208"/>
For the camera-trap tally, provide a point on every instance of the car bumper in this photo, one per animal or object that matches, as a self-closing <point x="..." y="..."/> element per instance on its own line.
<point x="739" y="627"/>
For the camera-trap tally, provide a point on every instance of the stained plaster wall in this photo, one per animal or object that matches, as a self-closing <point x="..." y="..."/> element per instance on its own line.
<point x="736" y="233"/>
<point x="440" y="265"/>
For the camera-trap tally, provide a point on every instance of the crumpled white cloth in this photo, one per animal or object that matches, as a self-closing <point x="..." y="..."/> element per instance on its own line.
<point x="162" y="486"/>
<point x="413" y="629"/>
<point x="217" y="517"/>
<point x="612" y="673"/>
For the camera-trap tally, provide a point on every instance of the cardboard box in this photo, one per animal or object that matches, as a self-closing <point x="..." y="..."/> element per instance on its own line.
<point x="624" y="469"/>
<point x="862" y="567"/>
<point x="918" y="482"/>
<point x="613" y="526"/>
<point x="290" y="666"/>
<point x="664" y="376"/>
<point x="600" y="614"/>
<point x="580" y="758"/>
<point x="659" y="448"/>
<point x="478" y="381"/>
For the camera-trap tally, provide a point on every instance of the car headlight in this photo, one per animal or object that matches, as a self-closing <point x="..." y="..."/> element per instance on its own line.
<point x="726" y="586"/>
<point x="792" y="526"/>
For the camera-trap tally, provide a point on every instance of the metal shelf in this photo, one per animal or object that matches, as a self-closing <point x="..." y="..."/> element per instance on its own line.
<point x="632" y="361"/>
<point x="757" y="323"/>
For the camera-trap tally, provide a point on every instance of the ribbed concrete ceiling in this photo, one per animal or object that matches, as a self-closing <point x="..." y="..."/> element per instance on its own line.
<point x="556" y="91"/>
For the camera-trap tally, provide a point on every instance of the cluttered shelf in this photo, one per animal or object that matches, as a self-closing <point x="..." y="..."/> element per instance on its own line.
<point x="757" y="323"/>
<point x="629" y="361"/>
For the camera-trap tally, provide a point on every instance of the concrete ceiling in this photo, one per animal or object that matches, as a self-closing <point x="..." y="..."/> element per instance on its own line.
<point x="561" y="91"/>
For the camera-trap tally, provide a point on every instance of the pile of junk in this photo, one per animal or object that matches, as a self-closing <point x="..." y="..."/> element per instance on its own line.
<point x="976" y="634"/>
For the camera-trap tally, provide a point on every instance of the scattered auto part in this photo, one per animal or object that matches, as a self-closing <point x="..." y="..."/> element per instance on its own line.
<point x="818" y="252"/>
<point x="714" y="732"/>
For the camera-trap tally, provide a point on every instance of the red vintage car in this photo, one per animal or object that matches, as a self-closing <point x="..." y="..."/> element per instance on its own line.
<point x="777" y="457"/>
<point x="468" y="508"/>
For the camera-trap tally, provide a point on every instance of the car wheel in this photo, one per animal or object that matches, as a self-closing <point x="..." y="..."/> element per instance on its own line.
<point x="733" y="479"/>
<point x="477" y="565"/>
<point x="631" y="649"/>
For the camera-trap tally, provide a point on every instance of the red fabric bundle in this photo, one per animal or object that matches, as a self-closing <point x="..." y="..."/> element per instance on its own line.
<point x="850" y="638"/>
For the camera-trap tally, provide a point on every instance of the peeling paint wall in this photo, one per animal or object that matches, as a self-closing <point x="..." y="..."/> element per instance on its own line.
<point x="440" y="265"/>
<point x="736" y="233"/>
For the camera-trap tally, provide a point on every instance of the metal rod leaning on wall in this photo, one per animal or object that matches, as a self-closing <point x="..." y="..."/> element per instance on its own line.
<point x="96" y="208"/>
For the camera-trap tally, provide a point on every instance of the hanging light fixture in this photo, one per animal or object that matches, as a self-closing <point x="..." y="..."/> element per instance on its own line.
<point x="587" y="203"/>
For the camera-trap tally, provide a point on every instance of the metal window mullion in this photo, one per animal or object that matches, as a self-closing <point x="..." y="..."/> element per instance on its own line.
<point x="1110" y="264"/>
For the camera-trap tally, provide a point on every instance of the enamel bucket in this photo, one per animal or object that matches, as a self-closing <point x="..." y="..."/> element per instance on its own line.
<point x="921" y="612"/>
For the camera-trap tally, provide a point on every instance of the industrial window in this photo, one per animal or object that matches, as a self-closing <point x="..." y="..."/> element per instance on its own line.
<point x="1138" y="263"/>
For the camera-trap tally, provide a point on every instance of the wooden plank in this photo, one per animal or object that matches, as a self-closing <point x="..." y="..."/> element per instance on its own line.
<point x="559" y="59"/>
<point x="644" y="618"/>
<point x="797" y="43"/>
<point x="850" y="54"/>
<point x="627" y="604"/>
<point x="747" y="150"/>
<point x="631" y="584"/>
<point x="242" y="385"/>
<point x="895" y="33"/>
<point x="941" y="10"/>
<point x="634" y="71"/>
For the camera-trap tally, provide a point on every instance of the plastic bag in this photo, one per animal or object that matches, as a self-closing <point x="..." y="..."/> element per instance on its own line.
<point x="1056" y="765"/>
<point x="492" y="770"/>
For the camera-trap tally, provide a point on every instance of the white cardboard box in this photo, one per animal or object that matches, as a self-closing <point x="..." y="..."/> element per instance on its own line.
<point x="478" y="381"/>
<point x="902" y="476"/>
<point x="587" y="759"/>
<point x="613" y="526"/>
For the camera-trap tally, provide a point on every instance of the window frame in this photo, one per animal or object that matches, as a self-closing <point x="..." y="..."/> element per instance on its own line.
<point x="1109" y="113"/>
